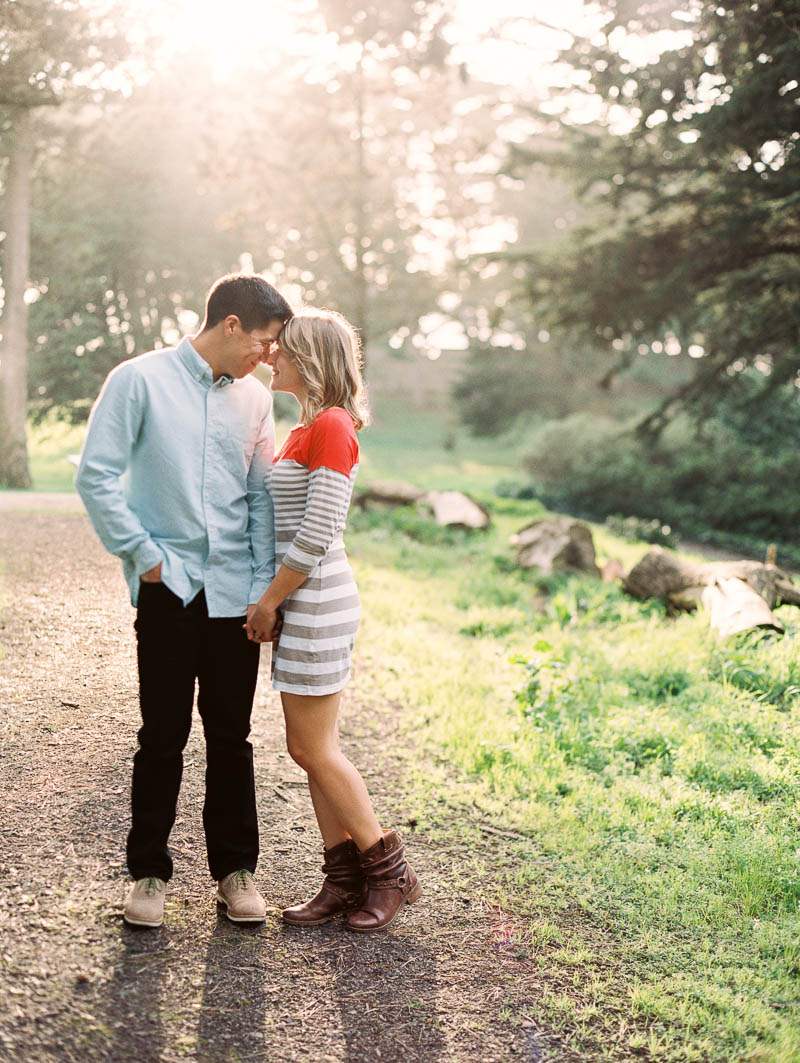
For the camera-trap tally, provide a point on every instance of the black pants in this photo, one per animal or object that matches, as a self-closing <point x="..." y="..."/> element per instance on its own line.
<point x="177" y="645"/>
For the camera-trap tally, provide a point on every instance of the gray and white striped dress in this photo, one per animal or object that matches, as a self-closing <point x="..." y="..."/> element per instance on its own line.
<point x="311" y="483"/>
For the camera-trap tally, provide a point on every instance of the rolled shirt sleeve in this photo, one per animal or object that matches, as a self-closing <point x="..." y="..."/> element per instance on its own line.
<point x="114" y="425"/>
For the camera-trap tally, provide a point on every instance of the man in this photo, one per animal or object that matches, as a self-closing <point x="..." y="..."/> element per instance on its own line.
<point x="172" y="476"/>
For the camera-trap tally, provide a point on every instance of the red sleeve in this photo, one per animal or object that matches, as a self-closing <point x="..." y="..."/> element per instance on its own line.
<point x="333" y="442"/>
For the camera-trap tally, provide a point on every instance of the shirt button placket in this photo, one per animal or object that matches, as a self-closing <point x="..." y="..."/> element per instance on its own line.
<point x="208" y="495"/>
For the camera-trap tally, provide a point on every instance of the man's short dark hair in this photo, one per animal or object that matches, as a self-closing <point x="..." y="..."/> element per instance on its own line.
<point x="255" y="302"/>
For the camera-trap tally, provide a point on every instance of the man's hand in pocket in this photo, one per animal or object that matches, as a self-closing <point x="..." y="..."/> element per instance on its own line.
<point x="153" y="575"/>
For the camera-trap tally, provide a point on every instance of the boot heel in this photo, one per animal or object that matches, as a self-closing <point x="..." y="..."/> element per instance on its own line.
<point x="415" y="894"/>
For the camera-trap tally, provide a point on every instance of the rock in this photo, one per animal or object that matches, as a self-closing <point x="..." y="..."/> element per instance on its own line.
<point x="389" y="493"/>
<point x="452" y="509"/>
<point x="612" y="570"/>
<point x="556" y="543"/>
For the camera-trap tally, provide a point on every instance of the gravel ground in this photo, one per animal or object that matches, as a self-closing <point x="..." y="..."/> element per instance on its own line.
<point x="77" y="984"/>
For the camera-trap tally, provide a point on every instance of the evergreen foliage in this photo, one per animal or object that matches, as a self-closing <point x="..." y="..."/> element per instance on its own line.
<point x="46" y="44"/>
<point x="121" y="244"/>
<point x="732" y="480"/>
<point x="695" y="239"/>
<point x="138" y="206"/>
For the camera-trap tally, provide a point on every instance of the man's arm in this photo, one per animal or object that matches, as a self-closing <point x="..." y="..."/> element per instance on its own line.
<point x="113" y="428"/>
<point x="261" y="517"/>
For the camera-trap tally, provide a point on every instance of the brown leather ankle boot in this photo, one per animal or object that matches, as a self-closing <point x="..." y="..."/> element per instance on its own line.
<point x="342" y="889"/>
<point x="391" y="883"/>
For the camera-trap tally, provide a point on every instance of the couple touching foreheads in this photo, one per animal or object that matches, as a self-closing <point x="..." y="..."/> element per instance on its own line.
<point x="226" y="545"/>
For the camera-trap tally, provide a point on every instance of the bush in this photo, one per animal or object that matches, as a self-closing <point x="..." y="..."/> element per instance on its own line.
<point x="716" y="485"/>
<point x="637" y="529"/>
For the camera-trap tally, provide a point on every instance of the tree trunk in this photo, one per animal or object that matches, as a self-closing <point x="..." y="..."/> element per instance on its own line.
<point x="389" y="493"/>
<point x="661" y="574"/>
<point x="14" y="470"/>
<point x="739" y="595"/>
<point x="362" y="190"/>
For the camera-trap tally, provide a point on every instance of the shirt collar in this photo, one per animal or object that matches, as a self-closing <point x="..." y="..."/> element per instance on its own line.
<point x="198" y="366"/>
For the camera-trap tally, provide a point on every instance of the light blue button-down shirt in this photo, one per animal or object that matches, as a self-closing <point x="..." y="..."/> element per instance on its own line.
<point x="172" y="471"/>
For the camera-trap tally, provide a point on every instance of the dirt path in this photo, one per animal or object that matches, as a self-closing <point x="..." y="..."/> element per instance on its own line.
<point x="76" y="984"/>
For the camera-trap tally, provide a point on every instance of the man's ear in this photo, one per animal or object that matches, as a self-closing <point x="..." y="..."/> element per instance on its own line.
<point x="230" y="323"/>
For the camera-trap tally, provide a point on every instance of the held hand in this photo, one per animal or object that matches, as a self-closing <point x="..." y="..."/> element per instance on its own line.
<point x="262" y="624"/>
<point x="153" y="575"/>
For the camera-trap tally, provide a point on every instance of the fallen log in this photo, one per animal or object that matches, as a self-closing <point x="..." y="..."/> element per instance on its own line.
<point x="739" y="595"/>
<point x="388" y="493"/>
<point x="661" y="573"/>
<point x="556" y="543"/>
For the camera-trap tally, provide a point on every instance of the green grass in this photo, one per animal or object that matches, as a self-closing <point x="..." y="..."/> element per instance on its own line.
<point x="425" y="450"/>
<point x="49" y="445"/>
<point x="649" y="769"/>
<point x="651" y="766"/>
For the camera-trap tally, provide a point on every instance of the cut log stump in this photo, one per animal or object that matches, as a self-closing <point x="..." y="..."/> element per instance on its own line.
<point x="556" y="543"/>
<point x="734" y="606"/>
<point x="450" y="508"/>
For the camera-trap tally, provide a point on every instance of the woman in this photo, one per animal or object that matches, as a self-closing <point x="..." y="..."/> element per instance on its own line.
<point x="316" y="359"/>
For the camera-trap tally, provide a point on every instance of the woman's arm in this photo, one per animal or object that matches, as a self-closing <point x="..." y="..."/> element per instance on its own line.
<point x="332" y="455"/>
<point x="262" y="618"/>
<point x="326" y="508"/>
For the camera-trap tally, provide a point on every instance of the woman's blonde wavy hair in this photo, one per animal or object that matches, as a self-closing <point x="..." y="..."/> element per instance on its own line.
<point x="325" y="349"/>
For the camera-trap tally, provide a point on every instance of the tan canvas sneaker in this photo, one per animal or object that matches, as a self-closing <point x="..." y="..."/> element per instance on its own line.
<point x="242" y="901"/>
<point x="144" y="905"/>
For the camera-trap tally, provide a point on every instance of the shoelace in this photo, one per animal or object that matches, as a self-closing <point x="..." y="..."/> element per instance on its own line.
<point x="151" y="885"/>
<point x="241" y="879"/>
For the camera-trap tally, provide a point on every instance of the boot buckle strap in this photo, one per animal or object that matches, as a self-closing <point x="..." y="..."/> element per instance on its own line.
<point x="339" y="891"/>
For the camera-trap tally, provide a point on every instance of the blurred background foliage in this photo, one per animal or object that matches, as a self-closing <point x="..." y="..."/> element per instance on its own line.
<point x="583" y="240"/>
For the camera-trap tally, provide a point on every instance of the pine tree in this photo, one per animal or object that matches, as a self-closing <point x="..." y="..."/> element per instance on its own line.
<point x="693" y="172"/>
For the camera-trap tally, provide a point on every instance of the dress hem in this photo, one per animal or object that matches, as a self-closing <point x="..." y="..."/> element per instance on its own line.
<point x="289" y="688"/>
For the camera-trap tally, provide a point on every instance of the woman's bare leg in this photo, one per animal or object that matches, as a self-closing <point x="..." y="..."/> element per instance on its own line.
<point x="339" y="795"/>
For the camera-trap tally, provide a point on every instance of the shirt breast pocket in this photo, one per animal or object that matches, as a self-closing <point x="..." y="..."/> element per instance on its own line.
<point x="237" y="445"/>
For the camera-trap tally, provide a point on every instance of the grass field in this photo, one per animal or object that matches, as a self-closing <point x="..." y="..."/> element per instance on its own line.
<point x="645" y="771"/>
<point x="652" y="767"/>
<point x="649" y="768"/>
<point x="49" y="446"/>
